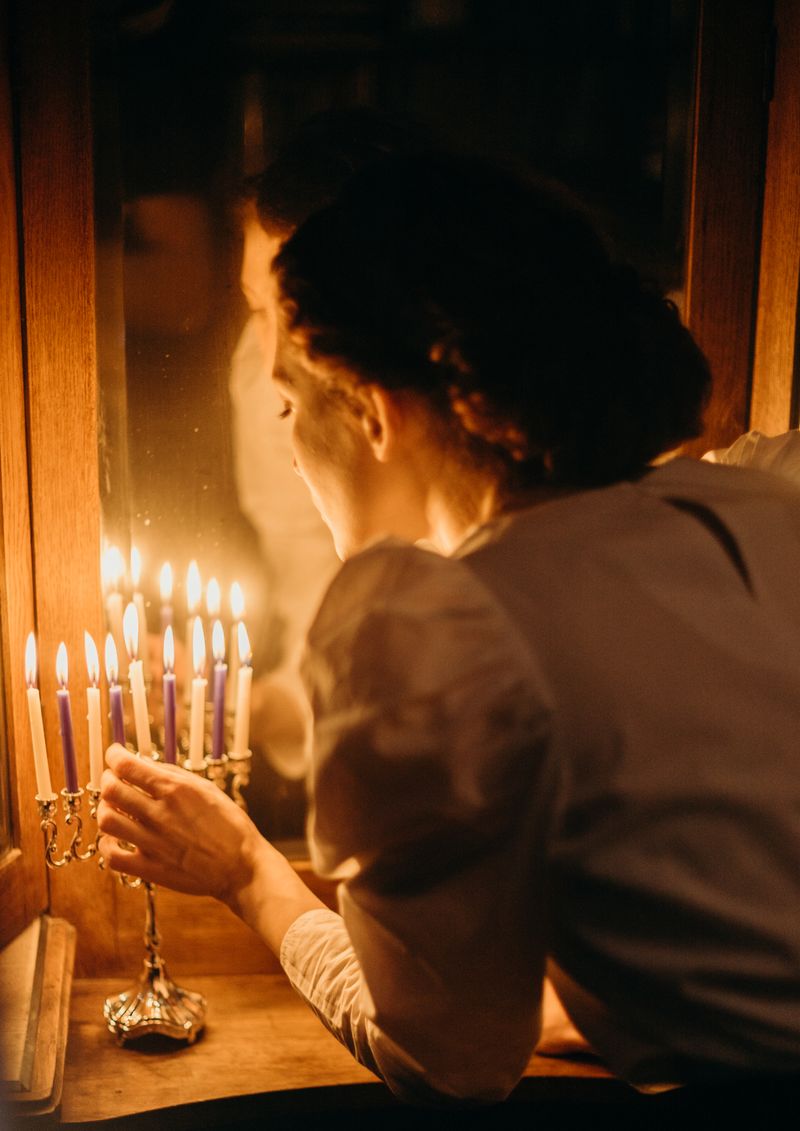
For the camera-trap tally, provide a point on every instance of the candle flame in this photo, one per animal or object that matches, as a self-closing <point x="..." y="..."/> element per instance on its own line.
<point x="218" y="641"/>
<point x="136" y="567"/>
<point x="237" y="601"/>
<point x="213" y="598"/>
<point x="112" y="567"/>
<point x="169" y="649"/>
<point x="193" y="588"/>
<point x="112" y="663"/>
<point x="92" y="659"/>
<point x="130" y="629"/>
<point x="165" y="583"/>
<point x="62" y="667"/>
<point x="30" y="660"/>
<point x="198" y="647"/>
<point x="245" y="655"/>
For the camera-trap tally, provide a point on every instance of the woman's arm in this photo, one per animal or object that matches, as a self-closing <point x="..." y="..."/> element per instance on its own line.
<point x="159" y="808"/>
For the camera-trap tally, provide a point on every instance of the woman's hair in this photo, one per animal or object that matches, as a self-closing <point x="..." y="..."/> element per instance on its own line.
<point x="319" y="158"/>
<point x="491" y="294"/>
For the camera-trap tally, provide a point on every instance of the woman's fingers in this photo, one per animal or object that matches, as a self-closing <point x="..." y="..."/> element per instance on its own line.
<point x="130" y="861"/>
<point x="111" y="822"/>
<point x="151" y="777"/>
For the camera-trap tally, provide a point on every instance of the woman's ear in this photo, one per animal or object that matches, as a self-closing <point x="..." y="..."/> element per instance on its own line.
<point x="381" y="420"/>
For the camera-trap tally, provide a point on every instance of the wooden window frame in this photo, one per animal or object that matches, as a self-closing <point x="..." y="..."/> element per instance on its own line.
<point x="23" y="891"/>
<point x="49" y="487"/>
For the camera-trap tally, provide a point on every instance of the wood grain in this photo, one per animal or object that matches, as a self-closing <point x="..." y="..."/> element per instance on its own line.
<point x="58" y="248"/>
<point x="23" y="891"/>
<point x="726" y="195"/>
<point x="260" y="1037"/>
<point x="776" y="346"/>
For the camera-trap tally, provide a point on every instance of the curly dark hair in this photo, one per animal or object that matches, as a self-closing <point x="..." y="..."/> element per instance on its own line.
<point x="490" y="293"/>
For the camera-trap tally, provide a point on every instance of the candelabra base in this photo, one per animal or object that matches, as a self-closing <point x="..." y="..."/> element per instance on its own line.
<point x="155" y="1005"/>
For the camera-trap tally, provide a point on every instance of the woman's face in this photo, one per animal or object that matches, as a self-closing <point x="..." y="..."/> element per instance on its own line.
<point x="331" y="454"/>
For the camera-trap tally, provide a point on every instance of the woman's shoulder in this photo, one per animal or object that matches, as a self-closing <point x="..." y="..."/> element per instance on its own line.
<point x="405" y="578"/>
<point x="400" y="619"/>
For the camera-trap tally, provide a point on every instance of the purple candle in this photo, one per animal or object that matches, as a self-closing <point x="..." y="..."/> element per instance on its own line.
<point x="65" y="722"/>
<point x="168" y="685"/>
<point x="114" y="692"/>
<point x="220" y="676"/>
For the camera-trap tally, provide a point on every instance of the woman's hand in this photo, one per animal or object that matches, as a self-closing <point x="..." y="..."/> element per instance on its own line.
<point x="186" y="834"/>
<point x="182" y="832"/>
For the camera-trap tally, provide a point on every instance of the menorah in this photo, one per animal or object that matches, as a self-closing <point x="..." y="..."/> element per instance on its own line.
<point x="215" y="744"/>
<point x="154" y="1003"/>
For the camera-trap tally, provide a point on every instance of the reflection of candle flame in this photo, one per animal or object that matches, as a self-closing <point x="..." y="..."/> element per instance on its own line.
<point x="213" y="598"/>
<point x="193" y="587"/>
<point x="245" y="655"/>
<point x="62" y="668"/>
<point x="218" y="641"/>
<point x="130" y="629"/>
<point x="112" y="664"/>
<point x="169" y="649"/>
<point x="198" y="647"/>
<point x="165" y="583"/>
<point x="237" y="601"/>
<point x="136" y="567"/>
<point x="92" y="659"/>
<point x="30" y="660"/>
<point x="112" y="567"/>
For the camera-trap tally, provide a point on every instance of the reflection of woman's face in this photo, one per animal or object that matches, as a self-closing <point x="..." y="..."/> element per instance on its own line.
<point x="260" y="249"/>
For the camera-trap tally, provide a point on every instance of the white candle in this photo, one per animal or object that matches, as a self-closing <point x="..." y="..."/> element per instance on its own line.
<point x="237" y="612"/>
<point x="44" y="788"/>
<point x="138" y="600"/>
<point x="94" y="718"/>
<point x="241" y="726"/>
<point x="193" y="593"/>
<point x="141" y="720"/>
<point x="112" y="568"/>
<point x="197" y="718"/>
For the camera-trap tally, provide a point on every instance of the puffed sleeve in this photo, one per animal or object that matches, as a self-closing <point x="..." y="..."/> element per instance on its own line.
<point x="432" y="793"/>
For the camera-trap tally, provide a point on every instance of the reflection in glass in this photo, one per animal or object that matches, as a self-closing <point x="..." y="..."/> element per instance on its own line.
<point x="189" y="100"/>
<point x="5" y="796"/>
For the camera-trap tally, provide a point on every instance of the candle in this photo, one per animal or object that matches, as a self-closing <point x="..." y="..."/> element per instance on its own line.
<point x="168" y="685"/>
<point x="241" y="728"/>
<point x="193" y="593"/>
<point x="237" y="612"/>
<point x="141" y="719"/>
<point x="138" y="600"/>
<point x="114" y="692"/>
<point x="165" y="590"/>
<point x="65" y="722"/>
<point x="93" y="704"/>
<point x="197" y="718"/>
<point x="220" y="673"/>
<point x="213" y="598"/>
<point x="43" y="787"/>
<point x="112" y="569"/>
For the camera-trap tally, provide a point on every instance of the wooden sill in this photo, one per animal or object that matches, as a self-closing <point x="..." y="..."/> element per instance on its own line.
<point x="263" y="1052"/>
<point x="35" y="982"/>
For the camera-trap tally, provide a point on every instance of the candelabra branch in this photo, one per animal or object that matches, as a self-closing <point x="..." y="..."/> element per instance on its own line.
<point x="216" y="770"/>
<point x="239" y="765"/>
<point x="49" y="826"/>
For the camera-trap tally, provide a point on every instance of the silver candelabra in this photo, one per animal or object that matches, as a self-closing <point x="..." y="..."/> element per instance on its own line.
<point x="153" y="1004"/>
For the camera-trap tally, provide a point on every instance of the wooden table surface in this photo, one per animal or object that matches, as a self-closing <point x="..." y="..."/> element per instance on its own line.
<point x="259" y="1038"/>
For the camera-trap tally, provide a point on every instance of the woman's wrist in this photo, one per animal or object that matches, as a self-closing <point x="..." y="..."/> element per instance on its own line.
<point x="268" y="894"/>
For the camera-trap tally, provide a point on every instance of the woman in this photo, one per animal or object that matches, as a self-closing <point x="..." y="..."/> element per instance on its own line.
<point x="564" y="732"/>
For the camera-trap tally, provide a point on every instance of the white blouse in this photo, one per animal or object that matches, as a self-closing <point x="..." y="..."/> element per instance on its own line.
<point x="578" y="739"/>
